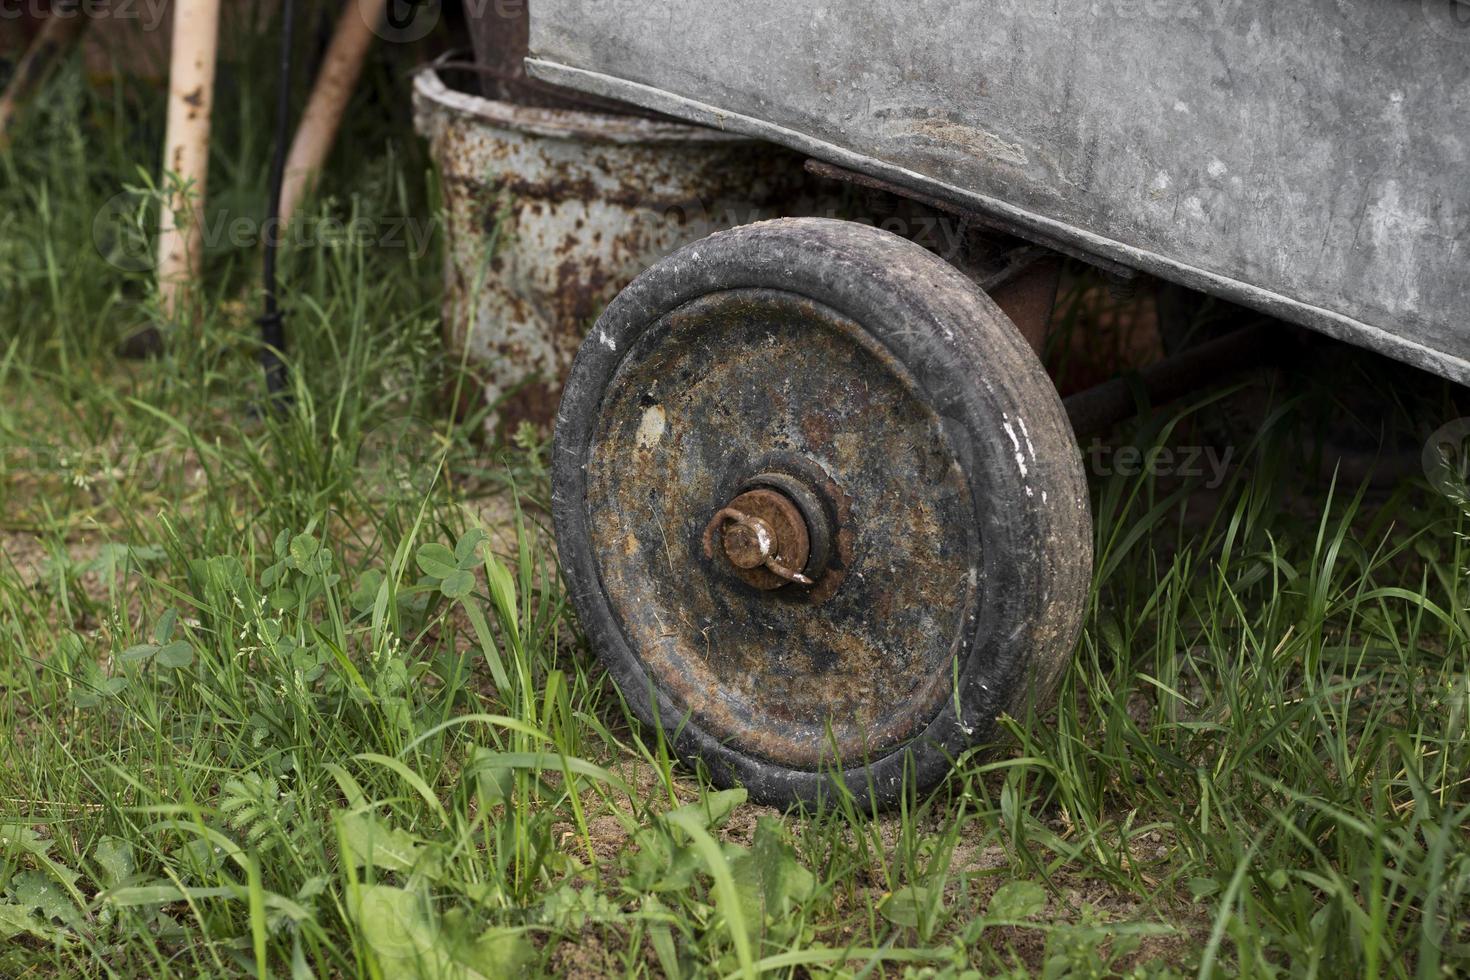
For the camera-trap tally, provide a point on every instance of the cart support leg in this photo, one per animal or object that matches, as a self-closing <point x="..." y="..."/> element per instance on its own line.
<point x="1096" y="410"/>
<point x="1028" y="300"/>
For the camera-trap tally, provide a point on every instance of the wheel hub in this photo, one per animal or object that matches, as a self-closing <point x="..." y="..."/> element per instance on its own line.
<point x="764" y="538"/>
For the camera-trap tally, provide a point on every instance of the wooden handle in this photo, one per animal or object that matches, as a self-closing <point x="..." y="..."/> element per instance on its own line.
<point x="186" y="149"/>
<point x="329" y="97"/>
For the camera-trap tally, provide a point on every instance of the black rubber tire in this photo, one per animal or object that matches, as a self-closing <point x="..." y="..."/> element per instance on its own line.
<point x="974" y="367"/>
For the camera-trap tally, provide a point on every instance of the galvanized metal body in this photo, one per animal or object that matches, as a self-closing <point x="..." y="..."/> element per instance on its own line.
<point x="1310" y="159"/>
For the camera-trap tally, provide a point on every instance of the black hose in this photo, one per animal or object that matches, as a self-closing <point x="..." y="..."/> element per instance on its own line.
<point x="272" y="321"/>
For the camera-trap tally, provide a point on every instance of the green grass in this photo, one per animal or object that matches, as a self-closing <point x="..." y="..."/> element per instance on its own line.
<point x="274" y="703"/>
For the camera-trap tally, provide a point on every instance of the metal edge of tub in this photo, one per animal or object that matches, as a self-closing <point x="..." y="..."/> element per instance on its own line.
<point x="1333" y="324"/>
<point x="555" y="123"/>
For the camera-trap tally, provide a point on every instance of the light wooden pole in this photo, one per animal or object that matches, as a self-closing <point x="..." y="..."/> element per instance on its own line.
<point x="186" y="149"/>
<point x="329" y="97"/>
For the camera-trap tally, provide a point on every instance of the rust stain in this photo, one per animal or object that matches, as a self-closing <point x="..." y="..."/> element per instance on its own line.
<point x="543" y="231"/>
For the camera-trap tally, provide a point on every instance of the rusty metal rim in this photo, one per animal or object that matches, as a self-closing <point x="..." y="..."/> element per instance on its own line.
<point x="975" y="367"/>
<point x="683" y="680"/>
<point x="939" y="706"/>
<point x="564" y="123"/>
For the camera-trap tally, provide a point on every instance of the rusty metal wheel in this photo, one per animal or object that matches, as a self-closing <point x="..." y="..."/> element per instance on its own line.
<point x="819" y="509"/>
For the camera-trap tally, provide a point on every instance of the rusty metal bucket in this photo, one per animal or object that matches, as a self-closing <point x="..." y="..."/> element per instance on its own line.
<point x="550" y="212"/>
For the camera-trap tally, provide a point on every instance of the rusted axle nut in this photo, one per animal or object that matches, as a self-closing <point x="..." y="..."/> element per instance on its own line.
<point x="749" y="542"/>
<point x="763" y="536"/>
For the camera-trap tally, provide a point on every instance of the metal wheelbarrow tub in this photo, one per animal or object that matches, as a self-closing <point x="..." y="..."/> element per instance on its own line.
<point x="1310" y="159"/>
